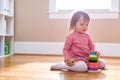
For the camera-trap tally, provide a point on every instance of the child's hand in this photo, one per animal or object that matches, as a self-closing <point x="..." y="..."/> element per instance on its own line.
<point x="70" y="62"/>
<point x="98" y="54"/>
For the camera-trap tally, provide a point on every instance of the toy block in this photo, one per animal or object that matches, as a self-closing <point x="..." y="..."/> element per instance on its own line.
<point x="93" y="62"/>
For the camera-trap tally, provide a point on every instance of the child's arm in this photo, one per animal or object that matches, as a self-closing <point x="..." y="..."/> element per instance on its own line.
<point x="93" y="48"/>
<point x="67" y="51"/>
<point x="67" y="47"/>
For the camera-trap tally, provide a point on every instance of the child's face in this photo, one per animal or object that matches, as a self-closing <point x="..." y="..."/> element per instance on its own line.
<point x="81" y="25"/>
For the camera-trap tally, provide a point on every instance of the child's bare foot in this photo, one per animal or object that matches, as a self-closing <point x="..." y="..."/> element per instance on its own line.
<point x="54" y="69"/>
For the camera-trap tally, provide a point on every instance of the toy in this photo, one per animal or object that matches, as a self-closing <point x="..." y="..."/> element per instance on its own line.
<point x="6" y="48"/>
<point x="93" y="62"/>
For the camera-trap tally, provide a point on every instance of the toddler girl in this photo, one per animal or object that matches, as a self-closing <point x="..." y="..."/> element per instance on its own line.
<point x="78" y="45"/>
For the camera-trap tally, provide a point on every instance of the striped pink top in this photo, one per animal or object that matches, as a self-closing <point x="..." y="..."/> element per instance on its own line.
<point x="77" y="46"/>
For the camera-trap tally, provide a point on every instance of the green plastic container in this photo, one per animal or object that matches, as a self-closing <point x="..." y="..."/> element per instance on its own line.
<point x="7" y="48"/>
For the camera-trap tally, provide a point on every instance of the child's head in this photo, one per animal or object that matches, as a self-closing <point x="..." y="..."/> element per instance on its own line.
<point x="80" y="21"/>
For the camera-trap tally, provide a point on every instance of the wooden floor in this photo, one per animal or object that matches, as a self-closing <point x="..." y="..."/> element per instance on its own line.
<point x="36" y="67"/>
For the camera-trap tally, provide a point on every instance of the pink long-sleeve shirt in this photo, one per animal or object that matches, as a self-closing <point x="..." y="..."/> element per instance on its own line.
<point x="77" y="46"/>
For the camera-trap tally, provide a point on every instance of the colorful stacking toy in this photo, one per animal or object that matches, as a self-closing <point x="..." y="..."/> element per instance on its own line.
<point x="93" y="62"/>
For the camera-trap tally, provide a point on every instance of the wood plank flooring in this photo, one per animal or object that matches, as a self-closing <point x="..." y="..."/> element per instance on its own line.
<point x="37" y="67"/>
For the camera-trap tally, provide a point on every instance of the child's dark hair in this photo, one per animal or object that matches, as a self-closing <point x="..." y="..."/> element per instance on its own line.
<point x="76" y="17"/>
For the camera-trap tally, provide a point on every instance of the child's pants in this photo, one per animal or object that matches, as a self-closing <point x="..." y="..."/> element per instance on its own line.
<point x="79" y="66"/>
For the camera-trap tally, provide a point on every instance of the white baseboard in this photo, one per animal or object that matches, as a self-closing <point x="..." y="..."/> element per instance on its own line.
<point x="106" y="49"/>
<point x="39" y="47"/>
